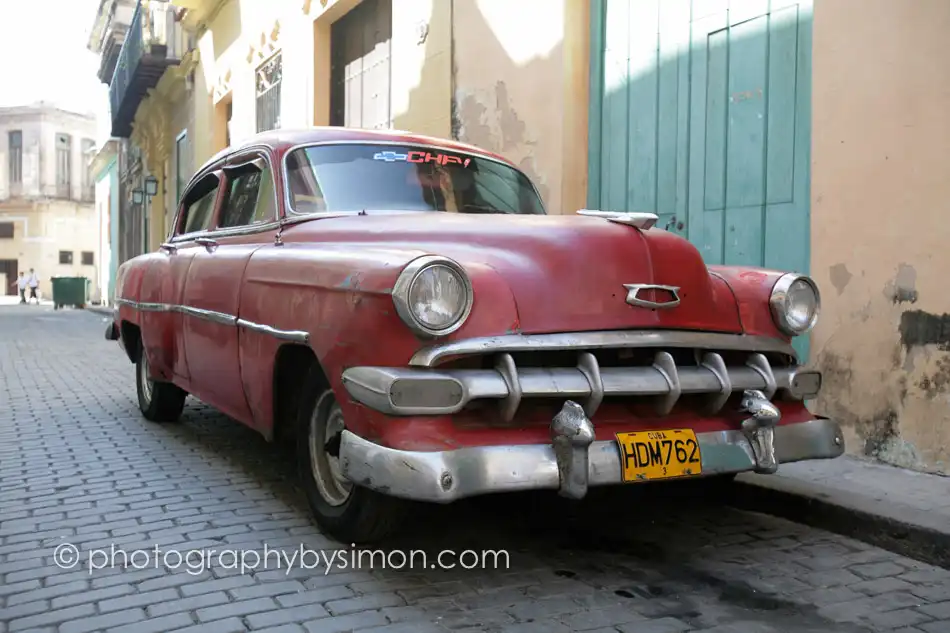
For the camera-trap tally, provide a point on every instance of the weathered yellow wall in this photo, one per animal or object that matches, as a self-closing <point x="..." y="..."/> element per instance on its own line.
<point x="880" y="152"/>
<point x="422" y="68"/>
<point x="42" y="229"/>
<point x="521" y="92"/>
<point x="521" y="89"/>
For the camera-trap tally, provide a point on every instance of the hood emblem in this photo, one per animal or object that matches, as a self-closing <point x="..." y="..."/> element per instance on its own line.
<point x="652" y="296"/>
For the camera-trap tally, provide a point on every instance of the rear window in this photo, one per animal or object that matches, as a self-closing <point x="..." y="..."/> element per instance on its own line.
<point x="357" y="177"/>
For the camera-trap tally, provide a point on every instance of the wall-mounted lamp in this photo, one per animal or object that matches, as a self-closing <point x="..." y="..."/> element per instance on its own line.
<point x="137" y="196"/>
<point x="151" y="186"/>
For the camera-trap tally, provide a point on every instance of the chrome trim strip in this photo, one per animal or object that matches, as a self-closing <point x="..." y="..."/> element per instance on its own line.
<point x="432" y="356"/>
<point x="296" y="336"/>
<point x="208" y="315"/>
<point x="446" y="476"/>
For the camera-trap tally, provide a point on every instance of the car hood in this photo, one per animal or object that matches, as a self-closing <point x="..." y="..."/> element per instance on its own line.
<point x="566" y="273"/>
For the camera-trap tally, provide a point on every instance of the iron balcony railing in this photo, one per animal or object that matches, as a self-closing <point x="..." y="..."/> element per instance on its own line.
<point x="153" y="42"/>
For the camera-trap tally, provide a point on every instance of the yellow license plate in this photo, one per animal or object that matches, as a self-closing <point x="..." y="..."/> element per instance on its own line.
<point x="646" y="455"/>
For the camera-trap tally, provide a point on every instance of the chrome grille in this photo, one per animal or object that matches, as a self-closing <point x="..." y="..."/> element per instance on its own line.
<point x="589" y="383"/>
<point x="662" y="368"/>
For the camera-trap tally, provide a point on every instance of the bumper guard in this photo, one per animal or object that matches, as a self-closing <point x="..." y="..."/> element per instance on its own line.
<point x="573" y="461"/>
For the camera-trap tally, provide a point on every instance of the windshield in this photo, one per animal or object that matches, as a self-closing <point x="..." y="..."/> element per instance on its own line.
<point x="358" y="177"/>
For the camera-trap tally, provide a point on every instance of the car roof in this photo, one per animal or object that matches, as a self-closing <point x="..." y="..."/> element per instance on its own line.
<point x="283" y="139"/>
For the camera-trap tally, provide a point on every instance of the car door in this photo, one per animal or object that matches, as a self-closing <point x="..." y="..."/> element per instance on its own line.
<point x="245" y="221"/>
<point x="167" y="276"/>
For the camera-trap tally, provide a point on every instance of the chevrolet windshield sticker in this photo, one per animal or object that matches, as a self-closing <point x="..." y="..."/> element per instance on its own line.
<point x="421" y="157"/>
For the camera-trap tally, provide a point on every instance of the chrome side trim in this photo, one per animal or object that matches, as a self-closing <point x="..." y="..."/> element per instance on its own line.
<point x="436" y="354"/>
<point x="296" y="336"/>
<point x="446" y="476"/>
<point x="207" y="315"/>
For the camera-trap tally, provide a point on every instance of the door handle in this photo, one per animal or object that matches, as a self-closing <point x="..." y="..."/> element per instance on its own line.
<point x="207" y="242"/>
<point x="171" y="249"/>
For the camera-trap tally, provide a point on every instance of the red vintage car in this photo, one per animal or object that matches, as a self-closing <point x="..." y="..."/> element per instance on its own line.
<point x="404" y="310"/>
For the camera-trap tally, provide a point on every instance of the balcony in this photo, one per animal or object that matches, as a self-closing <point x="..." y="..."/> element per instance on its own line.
<point x="108" y="32"/>
<point x="154" y="42"/>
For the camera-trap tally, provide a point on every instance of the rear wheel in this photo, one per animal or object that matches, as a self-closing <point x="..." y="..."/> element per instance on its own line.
<point x="347" y="512"/>
<point x="158" y="401"/>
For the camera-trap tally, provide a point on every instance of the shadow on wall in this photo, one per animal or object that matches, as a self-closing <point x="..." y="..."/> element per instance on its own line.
<point x="512" y="109"/>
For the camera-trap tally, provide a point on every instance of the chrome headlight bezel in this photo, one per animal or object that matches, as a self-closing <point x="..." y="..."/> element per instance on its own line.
<point x="403" y="285"/>
<point x="779" y="297"/>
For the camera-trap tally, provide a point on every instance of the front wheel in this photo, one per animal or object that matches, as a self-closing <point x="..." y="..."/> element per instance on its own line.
<point x="348" y="513"/>
<point x="158" y="401"/>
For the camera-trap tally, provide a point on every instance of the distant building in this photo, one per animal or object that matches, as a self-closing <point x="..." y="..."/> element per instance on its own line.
<point x="47" y="193"/>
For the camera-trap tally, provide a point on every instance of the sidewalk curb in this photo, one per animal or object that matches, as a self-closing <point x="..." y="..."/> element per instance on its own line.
<point x="99" y="310"/>
<point x="883" y="523"/>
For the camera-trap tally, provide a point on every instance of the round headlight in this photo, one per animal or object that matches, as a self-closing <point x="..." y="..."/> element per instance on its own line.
<point x="795" y="304"/>
<point x="433" y="296"/>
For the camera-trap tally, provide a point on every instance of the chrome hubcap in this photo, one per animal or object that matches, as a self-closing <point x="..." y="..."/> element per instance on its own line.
<point x="324" y="440"/>
<point x="146" y="381"/>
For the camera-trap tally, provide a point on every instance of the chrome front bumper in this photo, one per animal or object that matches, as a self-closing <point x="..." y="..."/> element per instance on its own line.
<point x="573" y="461"/>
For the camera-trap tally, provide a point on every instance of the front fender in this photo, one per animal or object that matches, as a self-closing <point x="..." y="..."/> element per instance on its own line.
<point x="341" y="296"/>
<point x="752" y="288"/>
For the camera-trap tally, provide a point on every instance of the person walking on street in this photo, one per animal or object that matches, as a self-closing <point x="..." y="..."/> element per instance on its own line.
<point x="34" y="282"/>
<point x="21" y="284"/>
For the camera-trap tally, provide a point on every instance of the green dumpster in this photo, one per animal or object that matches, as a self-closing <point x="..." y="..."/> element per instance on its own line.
<point x="72" y="291"/>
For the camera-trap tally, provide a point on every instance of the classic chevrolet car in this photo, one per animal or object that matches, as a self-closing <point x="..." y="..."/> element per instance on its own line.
<point x="404" y="310"/>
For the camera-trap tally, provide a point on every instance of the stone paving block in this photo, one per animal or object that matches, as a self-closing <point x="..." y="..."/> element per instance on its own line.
<point x="302" y="613"/>
<point x="48" y="617"/>
<point x="137" y="600"/>
<point x="345" y="623"/>
<point x="230" y="625"/>
<point x="315" y="596"/>
<point x="236" y="609"/>
<point x="364" y="603"/>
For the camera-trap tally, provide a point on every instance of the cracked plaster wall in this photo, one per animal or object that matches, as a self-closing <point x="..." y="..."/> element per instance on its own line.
<point x="880" y="196"/>
<point x="520" y="88"/>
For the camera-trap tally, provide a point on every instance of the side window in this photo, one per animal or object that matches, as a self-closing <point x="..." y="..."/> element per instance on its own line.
<point x="199" y="205"/>
<point x="250" y="197"/>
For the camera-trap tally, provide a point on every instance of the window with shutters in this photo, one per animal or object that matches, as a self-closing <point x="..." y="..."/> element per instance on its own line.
<point x="64" y="165"/>
<point x="15" y="138"/>
<point x="268" y="94"/>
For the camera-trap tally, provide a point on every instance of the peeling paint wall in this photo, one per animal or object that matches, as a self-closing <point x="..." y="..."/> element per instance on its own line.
<point x="880" y="191"/>
<point x="517" y="89"/>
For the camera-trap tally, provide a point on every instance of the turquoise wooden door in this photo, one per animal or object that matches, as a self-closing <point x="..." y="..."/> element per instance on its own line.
<point x="705" y="119"/>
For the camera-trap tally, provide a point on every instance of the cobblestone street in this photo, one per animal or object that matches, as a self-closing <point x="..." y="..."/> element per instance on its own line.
<point x="78" y="465"/>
